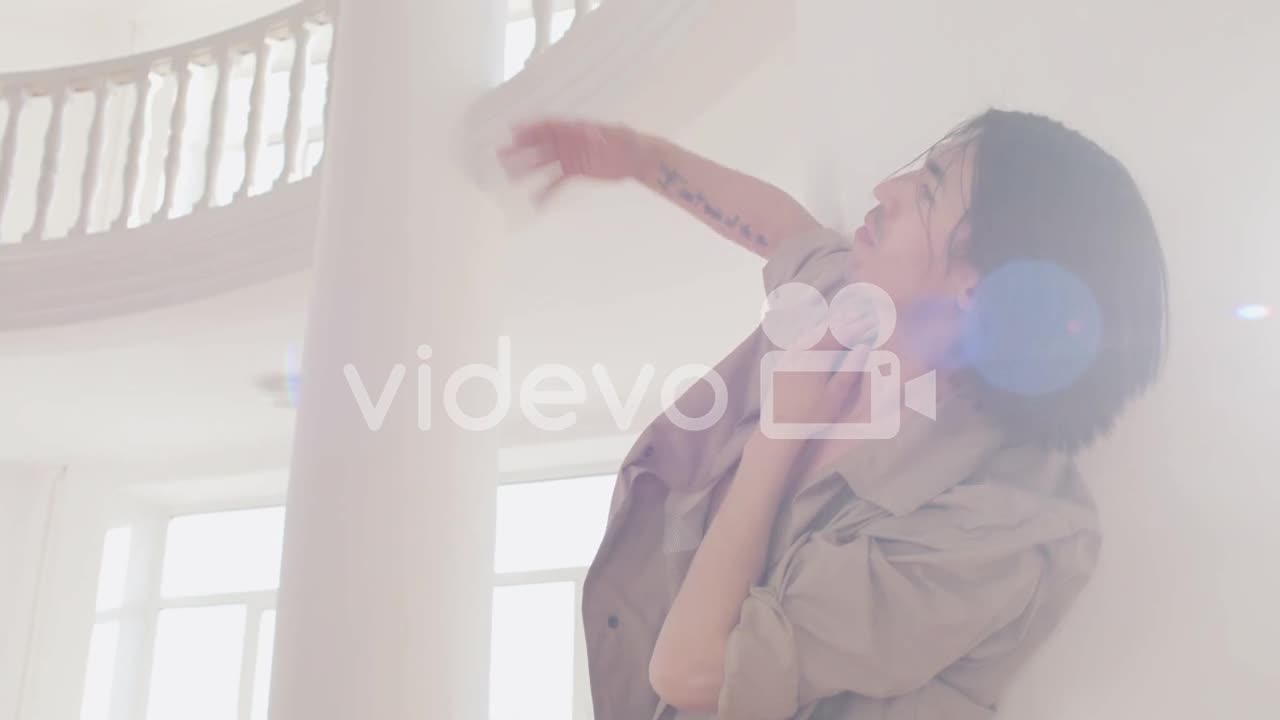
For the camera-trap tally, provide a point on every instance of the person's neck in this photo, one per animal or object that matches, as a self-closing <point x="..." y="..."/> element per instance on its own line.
<point x="910" y="367"/>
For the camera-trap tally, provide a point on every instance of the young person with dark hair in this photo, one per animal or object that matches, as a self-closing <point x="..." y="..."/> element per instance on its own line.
<point x="750" y="576"/>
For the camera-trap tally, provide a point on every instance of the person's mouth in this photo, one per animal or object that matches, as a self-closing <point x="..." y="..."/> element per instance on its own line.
<point x="867" y="233"/>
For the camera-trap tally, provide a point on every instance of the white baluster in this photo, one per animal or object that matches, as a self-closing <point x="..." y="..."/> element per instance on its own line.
<point x="177" y="129"/>
<point x="15" y="98"/>
<point x="297" y="83"/>
<point x="253" y="132"/>
<point x="542" y="12"/>
<point x="133" y="161"/>
<point x="328" y="92"/>
<point x="91" y="177"/>
<point x="217" y="130"/>
<point x="48" y="164"/>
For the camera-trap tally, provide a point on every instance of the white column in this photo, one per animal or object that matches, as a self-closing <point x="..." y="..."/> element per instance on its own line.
<point x="388" y="562"/>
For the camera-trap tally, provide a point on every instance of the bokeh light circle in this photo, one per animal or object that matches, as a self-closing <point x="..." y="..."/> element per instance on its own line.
<point x="293" y="374"/>
<point x="1035" y="328"/>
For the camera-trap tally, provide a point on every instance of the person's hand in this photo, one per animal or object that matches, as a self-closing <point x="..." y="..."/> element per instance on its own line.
<point x="822" y="397"/>
<point x="580" y="149"/>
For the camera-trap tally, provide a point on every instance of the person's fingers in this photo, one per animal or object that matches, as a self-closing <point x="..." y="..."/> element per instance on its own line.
<point x="849" y="371"/>
<point x="793" y="358"/>
<point x="855" y="331"/>
<point x="840" y="336"/>
<point x="855" y="321"/>
<point x="521" y="161"/>
<point x="544" y="195"/>
<point x="534" y="131"/>
<point x="528" y="135"/>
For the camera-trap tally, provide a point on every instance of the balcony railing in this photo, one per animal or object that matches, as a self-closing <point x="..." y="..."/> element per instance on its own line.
<point x="143" y="182"/>
<point x="115" y="145"/>
<point x="122" y="143"/>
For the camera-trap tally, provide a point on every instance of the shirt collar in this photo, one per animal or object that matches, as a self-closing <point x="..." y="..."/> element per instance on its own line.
<point x="925" y="458"/>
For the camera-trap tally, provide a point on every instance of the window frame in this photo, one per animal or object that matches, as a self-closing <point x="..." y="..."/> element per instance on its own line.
<point x="142" y="602"/>
<point x="583" y="709"/>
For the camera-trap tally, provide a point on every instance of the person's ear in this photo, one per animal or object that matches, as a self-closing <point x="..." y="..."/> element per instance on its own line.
<point x="965" y="287"/>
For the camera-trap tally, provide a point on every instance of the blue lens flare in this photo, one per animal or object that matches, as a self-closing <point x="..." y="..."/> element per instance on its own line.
<point x="1035" y="328"/>
<point x="1254" y="312"/>
<point x="293" y="373"/>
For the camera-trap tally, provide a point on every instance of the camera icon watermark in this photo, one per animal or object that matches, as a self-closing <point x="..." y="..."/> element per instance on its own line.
<point x="798" y="318"/>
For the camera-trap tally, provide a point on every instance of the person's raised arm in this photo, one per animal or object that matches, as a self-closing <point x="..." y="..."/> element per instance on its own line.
<point x="750" y="212"/>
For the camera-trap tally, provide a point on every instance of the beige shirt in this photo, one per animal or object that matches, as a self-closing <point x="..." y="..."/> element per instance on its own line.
<point x="908" y="579"/>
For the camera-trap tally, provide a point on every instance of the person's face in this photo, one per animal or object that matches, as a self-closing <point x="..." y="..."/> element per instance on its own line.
<point x="915" y="241"/>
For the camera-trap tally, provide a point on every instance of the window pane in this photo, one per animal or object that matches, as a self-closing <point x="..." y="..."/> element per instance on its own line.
<point x="114" y="569"/>
<point x="315" y="151"/>
<point x="239" y="94"/>
<point x="270" y="165"/>
<point x="196" y="669"/>
<point x="314" y="95"/>
<point x="275" y="100"/>
<point x="230" y="174"/>
<point x="223" y="552"/>
<point x="100" y="672"/>
<point x="531" y="672"/>
<point x="262" y="666"/>
<point x="552" y="524"/>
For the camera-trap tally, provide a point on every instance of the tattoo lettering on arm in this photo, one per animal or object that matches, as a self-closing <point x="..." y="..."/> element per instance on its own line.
<point x="673" y="183"/>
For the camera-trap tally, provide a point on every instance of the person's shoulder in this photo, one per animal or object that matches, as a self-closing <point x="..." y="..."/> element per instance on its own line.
<point x="1020" y="498"/>
<point x="817" y="257"/>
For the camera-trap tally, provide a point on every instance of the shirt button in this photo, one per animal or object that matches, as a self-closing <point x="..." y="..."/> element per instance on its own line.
<point x="648" y="451"/>
<point x="613" y="621"/>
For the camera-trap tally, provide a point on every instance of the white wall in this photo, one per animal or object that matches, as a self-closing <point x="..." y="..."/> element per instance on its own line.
<point x="51" y="525"/>
<point x="25" y="494"/>
<point x="1180" y="621"/>
<point x="63" y="617"/>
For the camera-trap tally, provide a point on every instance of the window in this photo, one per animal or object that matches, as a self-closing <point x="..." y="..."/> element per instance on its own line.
<point x="182" y="622"/>
<point x="547" y="533"/>
<point x="186" y="620"/>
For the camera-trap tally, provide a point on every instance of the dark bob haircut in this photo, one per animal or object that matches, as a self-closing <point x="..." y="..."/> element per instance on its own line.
<point x="1044" y="193"/>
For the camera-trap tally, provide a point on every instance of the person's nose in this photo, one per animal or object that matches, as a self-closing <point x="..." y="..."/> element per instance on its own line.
<point x="889" y="193"/>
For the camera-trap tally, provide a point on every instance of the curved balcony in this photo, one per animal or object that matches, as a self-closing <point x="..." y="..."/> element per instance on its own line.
<point x="160" y="178"/>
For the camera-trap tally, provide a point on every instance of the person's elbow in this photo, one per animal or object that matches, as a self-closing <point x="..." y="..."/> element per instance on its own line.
<point x="684" y="685"/>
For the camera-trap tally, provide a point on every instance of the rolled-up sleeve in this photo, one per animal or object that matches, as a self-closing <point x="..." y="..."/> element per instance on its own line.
<point x="871" y="616"/>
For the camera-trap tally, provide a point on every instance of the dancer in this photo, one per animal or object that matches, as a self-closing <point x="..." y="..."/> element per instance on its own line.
<point x="752" y="576"/>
